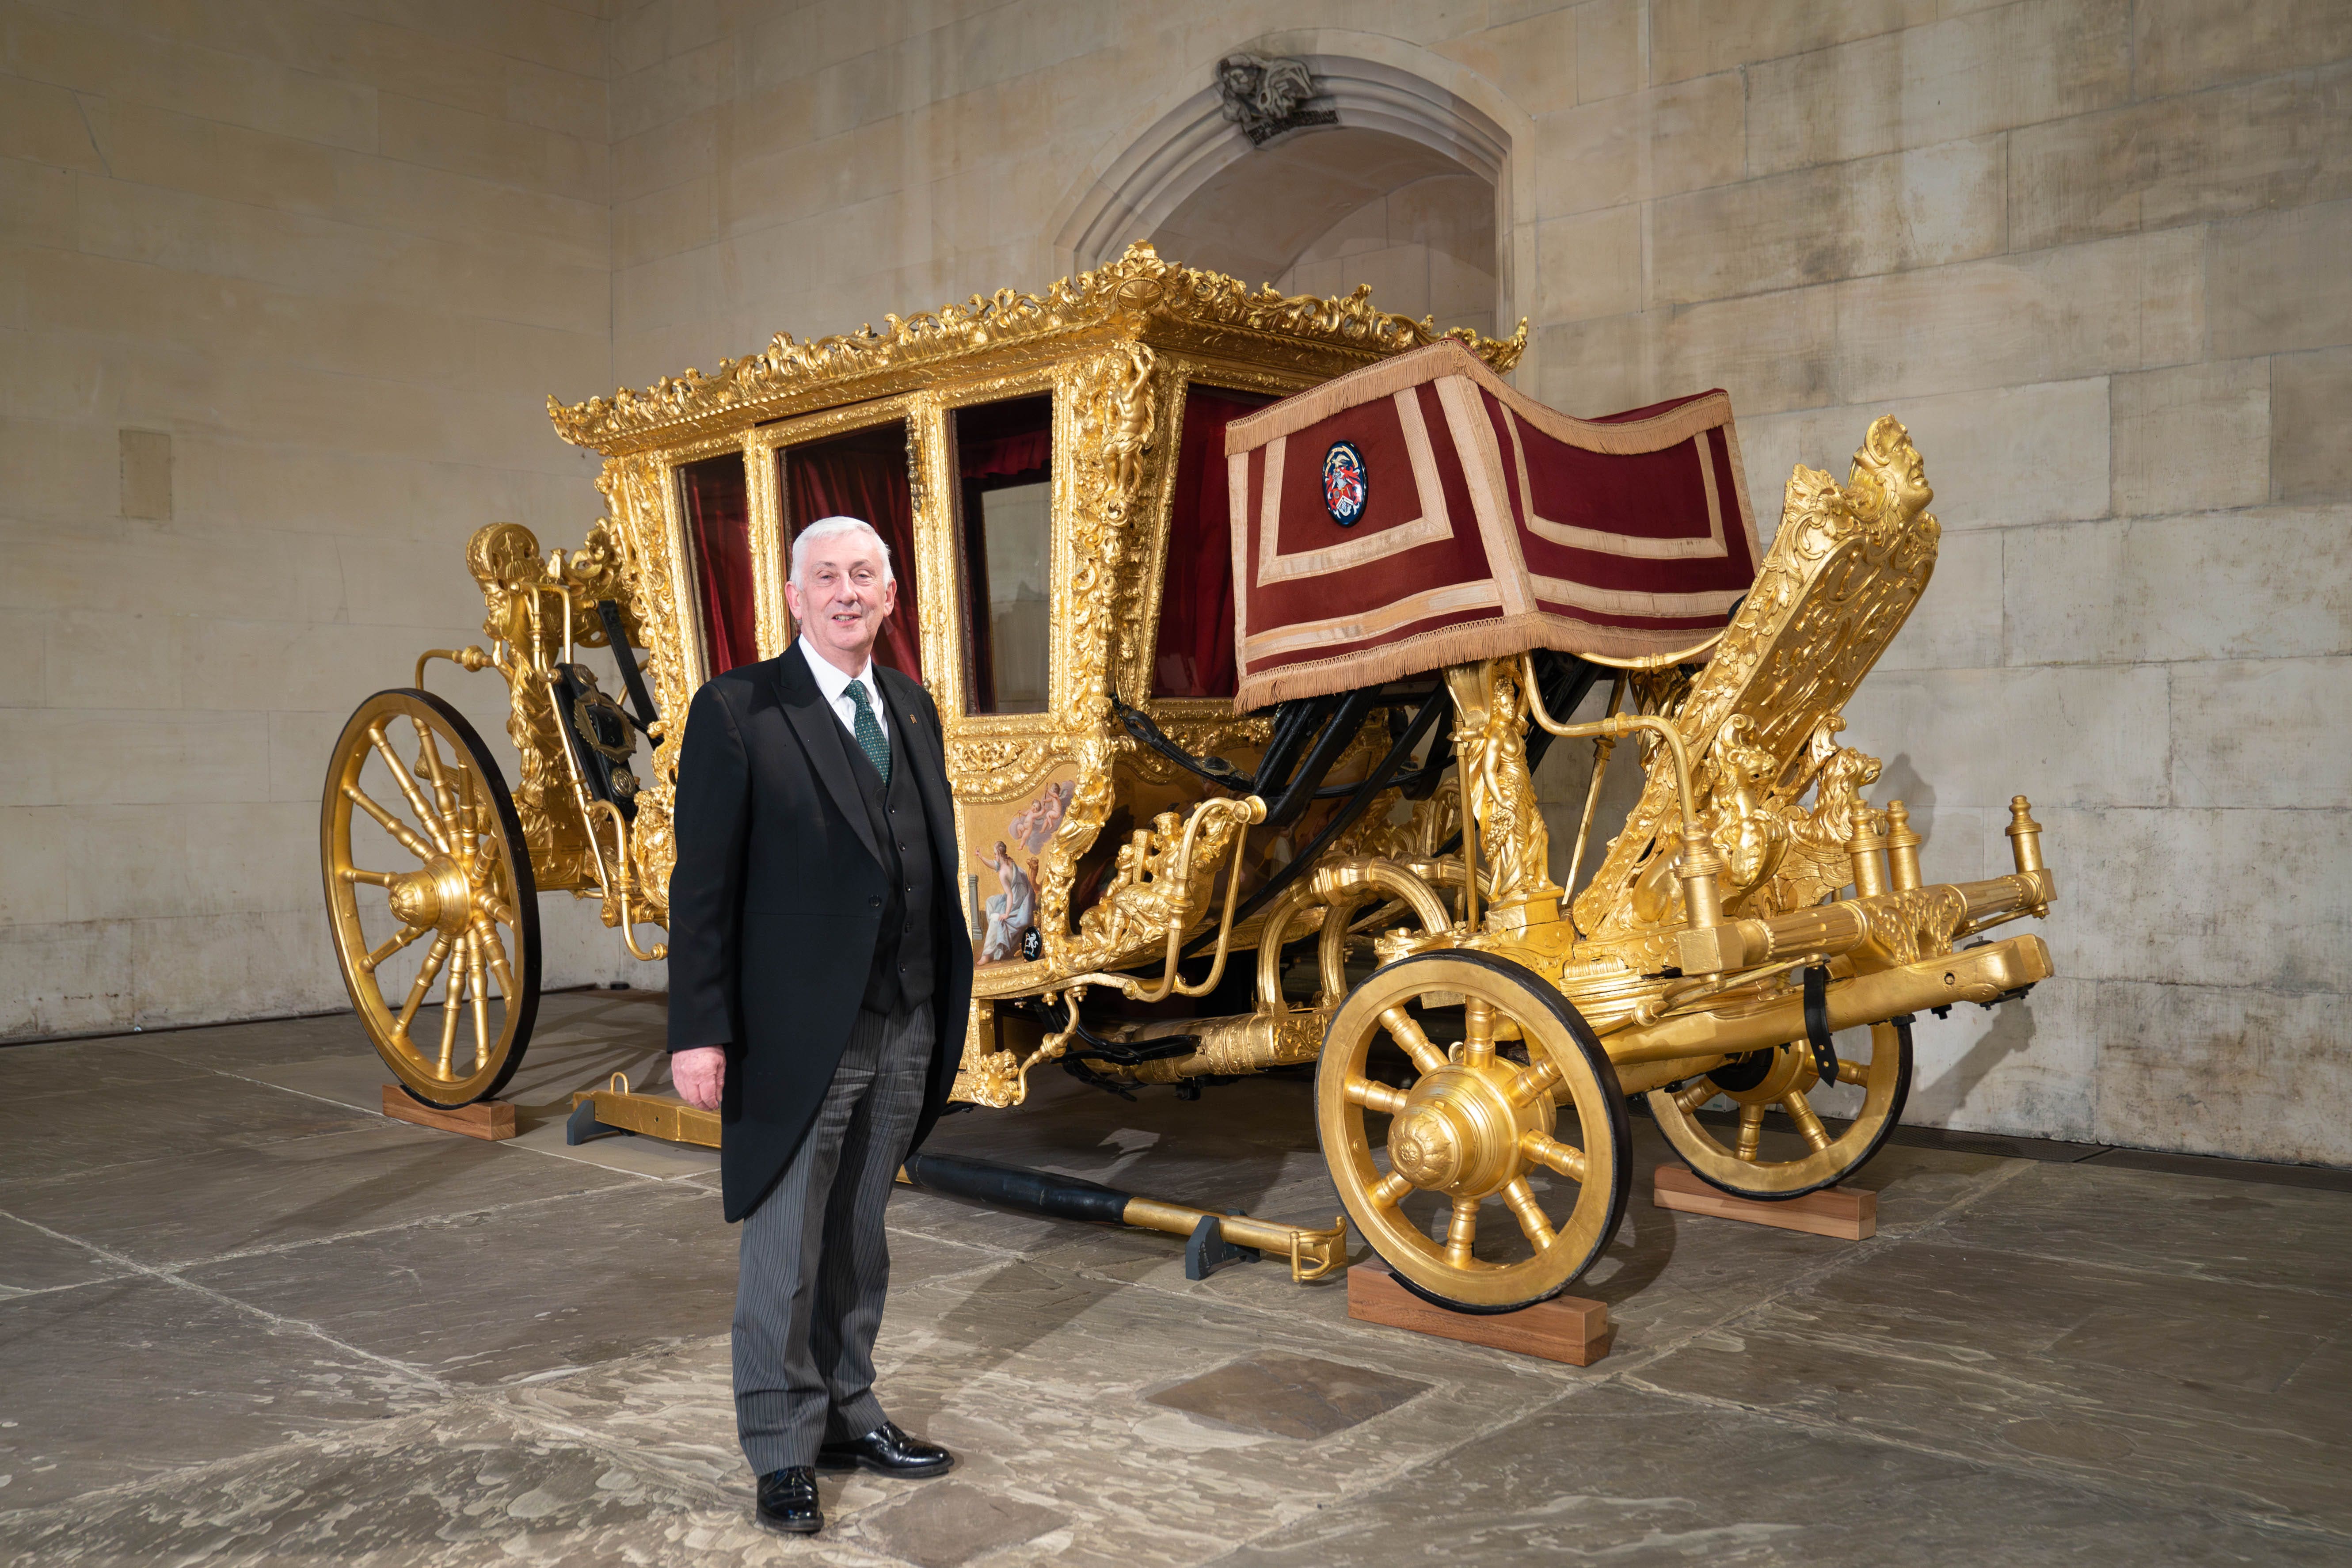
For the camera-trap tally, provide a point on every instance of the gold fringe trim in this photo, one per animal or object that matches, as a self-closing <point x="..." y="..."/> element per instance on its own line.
<point x="1424" y="652"/>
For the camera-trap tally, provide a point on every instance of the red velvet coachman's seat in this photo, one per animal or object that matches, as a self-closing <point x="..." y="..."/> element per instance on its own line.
<point x="1420" y="513"/>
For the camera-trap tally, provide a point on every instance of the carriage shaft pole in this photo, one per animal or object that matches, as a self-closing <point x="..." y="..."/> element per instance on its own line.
<point x="1977" y="974"/>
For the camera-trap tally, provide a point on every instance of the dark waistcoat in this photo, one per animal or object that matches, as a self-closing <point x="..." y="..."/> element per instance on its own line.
<point x="902" y="978"/>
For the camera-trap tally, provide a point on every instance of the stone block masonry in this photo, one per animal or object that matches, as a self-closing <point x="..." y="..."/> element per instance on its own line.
<point x="282" y="292"/>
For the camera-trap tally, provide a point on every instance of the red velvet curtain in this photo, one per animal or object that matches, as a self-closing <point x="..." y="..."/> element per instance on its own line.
<point x="718" y="519"/>
<point x="864" y="476"/>
<point x="1022" y="452"/>
<point x="1195" y="653"/>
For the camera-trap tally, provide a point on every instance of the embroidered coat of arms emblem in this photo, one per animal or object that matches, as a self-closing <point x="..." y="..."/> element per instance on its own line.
<point x="1345" y="488"/>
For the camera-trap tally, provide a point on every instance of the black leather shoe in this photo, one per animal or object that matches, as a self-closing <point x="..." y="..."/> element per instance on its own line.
<point x="788" y="1503"/>
<point x="887" y="1451"/>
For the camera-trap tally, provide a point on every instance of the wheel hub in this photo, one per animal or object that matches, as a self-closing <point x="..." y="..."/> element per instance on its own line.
<point x="1459" y="1131"/>
<point x="1424" y="1145"/>
<point x="1784" y="1072"/>
<point x="435" y="894"/>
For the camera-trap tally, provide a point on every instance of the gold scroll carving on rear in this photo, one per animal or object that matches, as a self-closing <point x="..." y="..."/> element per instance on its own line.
<point x="1761" y="719"/>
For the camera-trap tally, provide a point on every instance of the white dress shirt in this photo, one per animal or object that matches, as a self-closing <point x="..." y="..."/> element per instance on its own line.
<point x="835" y="687"/>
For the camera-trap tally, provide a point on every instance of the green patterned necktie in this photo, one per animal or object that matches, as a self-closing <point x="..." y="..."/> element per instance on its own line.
<point x="869" y="732"/>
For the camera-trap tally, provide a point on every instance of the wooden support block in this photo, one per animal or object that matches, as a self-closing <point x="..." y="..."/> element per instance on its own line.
<point x="1566" y="1328"/>
<point x="1846" y="1214"/>
<point x="490" y="1119"/>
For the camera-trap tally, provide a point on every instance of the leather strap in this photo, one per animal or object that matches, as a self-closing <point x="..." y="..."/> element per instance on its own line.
<point x="1817" y="1023"/>
<point x="633" y="679"/>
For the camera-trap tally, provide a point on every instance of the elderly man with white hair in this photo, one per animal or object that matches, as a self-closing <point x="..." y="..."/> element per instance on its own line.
<point x="820" y="979"/>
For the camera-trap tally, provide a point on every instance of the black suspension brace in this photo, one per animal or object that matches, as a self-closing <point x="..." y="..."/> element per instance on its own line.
<point x="1817" y="1023"/>
<point x="1382" y="777"/>
<point x="1223" y="775"/>
<point x="633" y="681"/>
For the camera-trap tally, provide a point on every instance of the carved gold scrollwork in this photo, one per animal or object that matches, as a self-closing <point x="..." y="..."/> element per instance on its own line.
<point x="632" y="487"/>
<point x="533" y="608"/>
<point x="992" y="768"/>
<point x="1136" y="292"/>
<point x="1849" y="562"/>
<point x="523" y="617"/>
<point x="1816" y="863"/>
<point x="1160" y="882"/>
<point x="1490" y="731"/>
<point x="1907" y="926"/>
<point x="1112" y="399"/>
<point x="993" y="1078"/>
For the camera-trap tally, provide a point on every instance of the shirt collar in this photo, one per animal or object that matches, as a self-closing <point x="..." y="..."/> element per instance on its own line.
<point x="832" y="681"/>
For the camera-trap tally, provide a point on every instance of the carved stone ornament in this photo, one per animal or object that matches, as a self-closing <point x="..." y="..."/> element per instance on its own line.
<point x="1268" y="97"/>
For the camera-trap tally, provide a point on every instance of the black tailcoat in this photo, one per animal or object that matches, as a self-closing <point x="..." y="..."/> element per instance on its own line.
<point x="775" y="903"/>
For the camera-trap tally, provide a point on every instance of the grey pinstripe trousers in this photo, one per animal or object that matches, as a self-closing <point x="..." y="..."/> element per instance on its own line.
<point x="814" y="1262"/>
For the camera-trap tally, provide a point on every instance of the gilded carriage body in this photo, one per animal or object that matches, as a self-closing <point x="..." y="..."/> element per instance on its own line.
<point x="1144" y="865"/>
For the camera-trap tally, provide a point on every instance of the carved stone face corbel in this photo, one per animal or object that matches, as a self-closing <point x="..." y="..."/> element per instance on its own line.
<point x="1268" y="97"/>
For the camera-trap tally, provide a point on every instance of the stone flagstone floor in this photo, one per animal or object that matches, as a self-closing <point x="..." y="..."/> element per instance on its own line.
<point x="245" y="1319"/>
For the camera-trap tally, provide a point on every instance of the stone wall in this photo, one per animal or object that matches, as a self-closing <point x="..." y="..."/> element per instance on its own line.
<point x="283" y="290"/>
<point x="2091" y="250"/>
<point x="1429" y="246"/>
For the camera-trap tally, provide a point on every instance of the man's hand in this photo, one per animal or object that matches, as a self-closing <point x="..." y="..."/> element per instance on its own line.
<point x="699" y="1074"/>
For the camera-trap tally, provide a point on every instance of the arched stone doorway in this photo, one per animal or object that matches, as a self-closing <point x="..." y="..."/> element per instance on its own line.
<point x="1319" y="211"/>
<point x="1411" y="190"/>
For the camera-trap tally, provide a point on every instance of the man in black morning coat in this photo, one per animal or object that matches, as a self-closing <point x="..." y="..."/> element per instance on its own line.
<point x="820" y="975"/>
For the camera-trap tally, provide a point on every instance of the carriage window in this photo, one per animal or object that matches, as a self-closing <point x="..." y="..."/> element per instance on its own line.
<point x="862" y="475"/>
<point x="713" y="496"/>
<point x="1004" y="454"/>
<point x="1194" y="655"/>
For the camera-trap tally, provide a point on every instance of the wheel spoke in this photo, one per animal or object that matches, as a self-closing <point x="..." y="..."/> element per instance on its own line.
<point x="1695" y="1095"/>
<point x="1390" y="1190"/>
<point x="1751" y="1132"/>
<point x="495" y="949"/>
<point x="435" y="957"/>
<point x="445" y="797"/>
<point x="1373" y="1096"/>
<point x="1536" y="1078"/>
<point x="1461" y="1231"/>
<point x="407" y="783"/>
<point x="464" y="817"/>
<point x="1528" y="1213"/>
<point x="405" y="835"/>
<point x="1409" y="1034"/>
<point x="452" y="1003"/>
<point x="478" y="991"/>
<point x="375" y="959"/>
<point x="372" y="879"/>
<point x="1851" y="1071"/>
<point x="1477" y="1031"/>
<point x="1800" y="1111"/>
<point x="483" y="877"/>
<point x="1566" y="1159"/>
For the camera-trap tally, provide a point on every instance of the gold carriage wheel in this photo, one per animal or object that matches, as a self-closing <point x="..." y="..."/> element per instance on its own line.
<point x="459" y="883"/>
<point x="1474" y="1125"/>
<point x="1781" y="1081"/>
